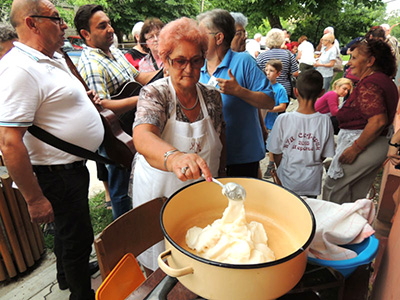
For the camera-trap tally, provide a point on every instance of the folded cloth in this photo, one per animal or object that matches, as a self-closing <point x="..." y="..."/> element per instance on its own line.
<point x="348" y="223"/>
<point x="346" y="138"/>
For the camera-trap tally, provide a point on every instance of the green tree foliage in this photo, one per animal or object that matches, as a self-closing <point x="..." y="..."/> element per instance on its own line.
<point x="5" y="8"/>
<point x="125" y="13"/>
<point x="350" y="18"/>
<point x="349" y="21"/>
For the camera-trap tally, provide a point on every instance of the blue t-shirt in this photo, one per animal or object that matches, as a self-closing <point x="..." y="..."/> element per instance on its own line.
<point x="244" y="140"/>
<point x="280" y="97"/>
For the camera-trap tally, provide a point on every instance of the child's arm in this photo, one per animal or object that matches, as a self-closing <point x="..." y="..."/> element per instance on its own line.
<point x="277" y="159"/>
<point x="279" y="108"/>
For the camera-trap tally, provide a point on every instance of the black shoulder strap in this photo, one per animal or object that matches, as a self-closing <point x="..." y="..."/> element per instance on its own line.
<point x="54" y="141"/>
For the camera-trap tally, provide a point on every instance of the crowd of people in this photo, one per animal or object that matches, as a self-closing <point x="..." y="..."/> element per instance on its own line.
<point x="215" y="113"/>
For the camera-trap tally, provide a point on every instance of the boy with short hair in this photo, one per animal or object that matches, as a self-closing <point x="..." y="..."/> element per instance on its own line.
<point x="273" y="70"/>
<point x="301" y="140"/>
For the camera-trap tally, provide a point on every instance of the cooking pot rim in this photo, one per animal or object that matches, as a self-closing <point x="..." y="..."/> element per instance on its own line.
<point x="240" y="266"/>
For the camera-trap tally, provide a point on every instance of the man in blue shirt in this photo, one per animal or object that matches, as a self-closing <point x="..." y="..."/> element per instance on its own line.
<point x="244" y="88"/>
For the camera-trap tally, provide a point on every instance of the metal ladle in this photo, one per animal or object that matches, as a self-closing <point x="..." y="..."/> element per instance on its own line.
<point x="231" y="190"/>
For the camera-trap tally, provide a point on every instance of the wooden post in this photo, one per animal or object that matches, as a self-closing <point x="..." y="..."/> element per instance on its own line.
<point x="4" y="248"/>
<point x="28" y="225"/>
<point x="17" y="220"/>
<point x="3" y="274"/>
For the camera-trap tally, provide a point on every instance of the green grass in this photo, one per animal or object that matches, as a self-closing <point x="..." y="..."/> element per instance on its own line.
<point x="99" y="215"/>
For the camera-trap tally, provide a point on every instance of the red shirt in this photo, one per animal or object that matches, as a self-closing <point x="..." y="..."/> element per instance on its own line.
<point x="375" y="94"/>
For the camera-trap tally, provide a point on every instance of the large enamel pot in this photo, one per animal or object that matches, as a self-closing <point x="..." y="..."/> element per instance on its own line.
<point x="288" y="221"/>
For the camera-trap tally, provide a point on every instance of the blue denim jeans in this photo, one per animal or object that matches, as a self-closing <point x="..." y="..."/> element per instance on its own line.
<point x="67" y="191"/>
<point x="118" y="183"/>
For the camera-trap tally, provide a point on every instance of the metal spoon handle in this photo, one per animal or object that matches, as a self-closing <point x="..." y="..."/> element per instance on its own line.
<point x="214" y="180"/>
<point x="217" y="182"/>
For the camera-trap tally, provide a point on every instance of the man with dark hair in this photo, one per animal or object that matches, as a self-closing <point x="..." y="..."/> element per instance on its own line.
<point x="7" y="36"/>
<point x="37" y="88"/>
<point x="105" y="70"/>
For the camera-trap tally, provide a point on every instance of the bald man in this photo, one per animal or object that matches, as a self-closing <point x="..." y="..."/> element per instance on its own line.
<point x="37" y="88"/>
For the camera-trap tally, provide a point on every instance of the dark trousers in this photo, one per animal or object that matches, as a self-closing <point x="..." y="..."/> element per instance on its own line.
<point x="243" y="170"/>
<point x="67" y="191"/>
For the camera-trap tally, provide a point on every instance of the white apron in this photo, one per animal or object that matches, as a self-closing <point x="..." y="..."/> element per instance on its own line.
<point x="148" y="183"/>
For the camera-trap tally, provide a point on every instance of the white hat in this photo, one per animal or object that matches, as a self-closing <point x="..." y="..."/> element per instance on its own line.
<point x="137" y="28"/>
<point x="385" y="26"/>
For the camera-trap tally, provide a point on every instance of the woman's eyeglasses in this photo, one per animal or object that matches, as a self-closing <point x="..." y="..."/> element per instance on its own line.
<point x="151" y="36"/>
<point x="56" y="20"/>
<point x="181" y="63"/>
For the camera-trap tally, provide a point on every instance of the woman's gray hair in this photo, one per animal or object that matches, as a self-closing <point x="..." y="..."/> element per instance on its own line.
<point x="240" y="19"/>
<point x="219" y="20"/>
<point x="7" y="33"/>
<point x="275" y="38"/>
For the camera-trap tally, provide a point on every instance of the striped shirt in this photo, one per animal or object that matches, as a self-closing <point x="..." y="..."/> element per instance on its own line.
<point x="104" y="74"/>
<point x="283" y="56"/>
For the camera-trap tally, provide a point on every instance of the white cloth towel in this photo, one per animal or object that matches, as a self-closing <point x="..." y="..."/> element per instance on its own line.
<point x="346" y="138"/>
<point x="337" y="225"/>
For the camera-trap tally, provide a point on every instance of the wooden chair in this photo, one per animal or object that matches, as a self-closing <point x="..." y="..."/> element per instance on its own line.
<point x="133" y="232"/>
<point x="122" y="280"/>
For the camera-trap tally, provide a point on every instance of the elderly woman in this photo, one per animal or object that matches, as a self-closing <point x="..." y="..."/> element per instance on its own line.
<point x="149" y="34"/>
<point x="329" y="102"/>
<point x="135" y="54"/>
<point x="364" y="121"/>
<point x="275" y="39"/>
<point x="178" y="129"/>
<point x="239" y="41"/>
<point x="244" y="88"/>
<point x="327" y="59"/>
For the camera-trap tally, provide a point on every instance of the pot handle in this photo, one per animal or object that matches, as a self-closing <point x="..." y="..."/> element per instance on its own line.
<point x="170" y="271"/>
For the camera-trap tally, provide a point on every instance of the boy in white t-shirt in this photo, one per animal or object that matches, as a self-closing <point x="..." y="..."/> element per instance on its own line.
<point x="301" y="140"/>
<point x="273" y="69"/>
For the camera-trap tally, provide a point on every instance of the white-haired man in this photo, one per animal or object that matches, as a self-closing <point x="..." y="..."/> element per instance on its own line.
<point x="336" y="44"/>
<point x="254" y="46"/>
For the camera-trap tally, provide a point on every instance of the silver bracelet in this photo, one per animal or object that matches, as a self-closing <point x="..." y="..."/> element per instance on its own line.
<point x="166" y="155"/>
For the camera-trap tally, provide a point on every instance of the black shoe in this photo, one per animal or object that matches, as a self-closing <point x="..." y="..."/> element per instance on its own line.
<point x="93" y="267"/>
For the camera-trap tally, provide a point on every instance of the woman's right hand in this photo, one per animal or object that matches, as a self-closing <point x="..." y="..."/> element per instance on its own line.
<point x="193" y="165"/>
<point x="349" y="155"/>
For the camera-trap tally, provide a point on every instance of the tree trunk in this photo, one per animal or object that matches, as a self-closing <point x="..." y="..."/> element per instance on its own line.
<point x="274" y="21"/>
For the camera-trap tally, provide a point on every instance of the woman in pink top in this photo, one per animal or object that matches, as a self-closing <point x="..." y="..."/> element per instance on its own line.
<point x="329" y="102"/>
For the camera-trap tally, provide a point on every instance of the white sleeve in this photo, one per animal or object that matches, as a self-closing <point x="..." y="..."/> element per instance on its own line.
<point x="274" y="142"/>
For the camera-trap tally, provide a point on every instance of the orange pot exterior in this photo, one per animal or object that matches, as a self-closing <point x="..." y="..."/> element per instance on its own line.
<point x="289" y="224"/>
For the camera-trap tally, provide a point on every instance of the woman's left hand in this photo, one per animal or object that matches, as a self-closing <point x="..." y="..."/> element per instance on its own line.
<point x="349" y="155"/>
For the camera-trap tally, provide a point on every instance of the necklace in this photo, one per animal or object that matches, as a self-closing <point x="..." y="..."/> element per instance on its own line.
<point x="191" y="108"/>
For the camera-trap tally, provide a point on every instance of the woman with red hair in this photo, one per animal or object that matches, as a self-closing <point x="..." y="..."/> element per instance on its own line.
<point x="179" y="126"/>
